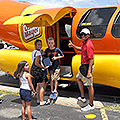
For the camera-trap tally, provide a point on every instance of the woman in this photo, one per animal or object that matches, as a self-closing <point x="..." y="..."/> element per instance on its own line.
<point x="38" y="72"/>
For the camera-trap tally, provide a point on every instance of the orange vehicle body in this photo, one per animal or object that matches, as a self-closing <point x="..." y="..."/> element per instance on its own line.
<point x="106" y="45"/>
<point x="106" y="48"/>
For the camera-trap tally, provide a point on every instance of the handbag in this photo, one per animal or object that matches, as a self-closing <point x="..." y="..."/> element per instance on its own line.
<point x="36" y="71"/>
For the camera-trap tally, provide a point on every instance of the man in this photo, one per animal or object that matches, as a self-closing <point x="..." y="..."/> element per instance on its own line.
<point x="87" y="63"/>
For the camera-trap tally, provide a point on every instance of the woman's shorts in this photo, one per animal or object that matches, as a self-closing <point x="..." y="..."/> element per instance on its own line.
<point x="55" y="75"/>
<point x="25" y="95"/>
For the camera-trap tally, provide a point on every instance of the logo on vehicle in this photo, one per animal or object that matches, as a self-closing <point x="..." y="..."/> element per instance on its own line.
<point x="30" y="33"/>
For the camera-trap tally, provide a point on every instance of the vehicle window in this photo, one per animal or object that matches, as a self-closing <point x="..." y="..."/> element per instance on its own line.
<point x="116" y="27"/>
<point x="68" y="29"/>
<point x="97" y="21"/>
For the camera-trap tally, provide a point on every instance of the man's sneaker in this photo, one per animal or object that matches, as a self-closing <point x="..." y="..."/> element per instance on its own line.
<point x="55" y="95"/>
<point x="51" y="96"/>
<point x="83" y="100"/>
<point x="88" y="107"/>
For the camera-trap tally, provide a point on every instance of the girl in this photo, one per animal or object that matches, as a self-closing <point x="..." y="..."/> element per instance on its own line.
<point x="38" y="72"/>
<point x="22" y="72"/>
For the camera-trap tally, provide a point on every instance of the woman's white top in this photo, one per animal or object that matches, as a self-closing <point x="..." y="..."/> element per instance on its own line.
<point x="24" y="82"/>
<point x="36" y="53"/>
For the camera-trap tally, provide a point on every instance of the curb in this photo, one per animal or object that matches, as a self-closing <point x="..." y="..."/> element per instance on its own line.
<point x="9" y="89"/>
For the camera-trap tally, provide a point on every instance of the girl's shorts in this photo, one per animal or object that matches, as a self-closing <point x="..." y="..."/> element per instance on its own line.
<point x="25" y="95"/>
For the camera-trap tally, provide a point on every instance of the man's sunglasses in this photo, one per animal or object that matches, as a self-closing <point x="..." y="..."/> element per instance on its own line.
<point x="83" y="34"/>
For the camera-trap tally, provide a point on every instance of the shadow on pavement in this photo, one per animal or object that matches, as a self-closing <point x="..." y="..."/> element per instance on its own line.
<point x="18" y="101"/>
<point x="33" y="103"/>
<point x="102" y="93"/>
<point x="8" y="80"/>
<point x="107" y="94"/>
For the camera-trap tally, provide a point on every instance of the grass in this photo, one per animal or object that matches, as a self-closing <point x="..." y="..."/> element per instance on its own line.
<point x="8" y="92"/>
<point x="114" y="107"/>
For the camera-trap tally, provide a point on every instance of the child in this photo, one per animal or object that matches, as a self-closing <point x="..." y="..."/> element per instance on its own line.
<point x="22" y="72"/>
<point x="54" y="54"/>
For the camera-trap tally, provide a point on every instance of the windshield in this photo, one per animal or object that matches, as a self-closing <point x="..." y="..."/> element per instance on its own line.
<point x="97" y="21"/>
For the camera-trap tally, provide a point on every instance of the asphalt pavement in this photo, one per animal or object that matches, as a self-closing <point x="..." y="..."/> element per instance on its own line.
<point x="65" y="107"/>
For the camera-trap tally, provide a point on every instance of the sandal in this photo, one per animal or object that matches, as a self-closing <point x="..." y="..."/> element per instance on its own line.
<point x="26" y="119"/>
<point x="44" y="103"/>
<point x="48" y="102"/>
<point x="38" y="102"/>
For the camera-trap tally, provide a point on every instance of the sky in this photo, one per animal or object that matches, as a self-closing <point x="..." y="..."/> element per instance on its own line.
<point x="73" y="3"/>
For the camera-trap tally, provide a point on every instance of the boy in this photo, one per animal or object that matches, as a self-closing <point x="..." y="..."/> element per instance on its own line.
<point x="54" y="54"/>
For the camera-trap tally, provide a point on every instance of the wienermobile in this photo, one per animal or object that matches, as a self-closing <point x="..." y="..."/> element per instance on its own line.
<point x="21" y="23"/>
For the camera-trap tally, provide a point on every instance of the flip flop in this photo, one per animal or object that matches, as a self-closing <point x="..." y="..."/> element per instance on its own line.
<point x="48" y="102"/>
<point x="26" y="119"/>
<point x="38" y="102"/>
<point x="44" y="103"/>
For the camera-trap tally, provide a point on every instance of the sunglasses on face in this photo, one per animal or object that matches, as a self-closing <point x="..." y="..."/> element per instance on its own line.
<point x="83" y="34"/>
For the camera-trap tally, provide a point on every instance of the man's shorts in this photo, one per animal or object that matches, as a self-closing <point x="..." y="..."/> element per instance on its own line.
<point x="82" y="74"/>
<point x="25" y="95"/>
<point x="55" y="74"/>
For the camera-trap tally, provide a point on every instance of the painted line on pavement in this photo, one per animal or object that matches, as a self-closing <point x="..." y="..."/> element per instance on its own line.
<point x="103" y="114"/>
